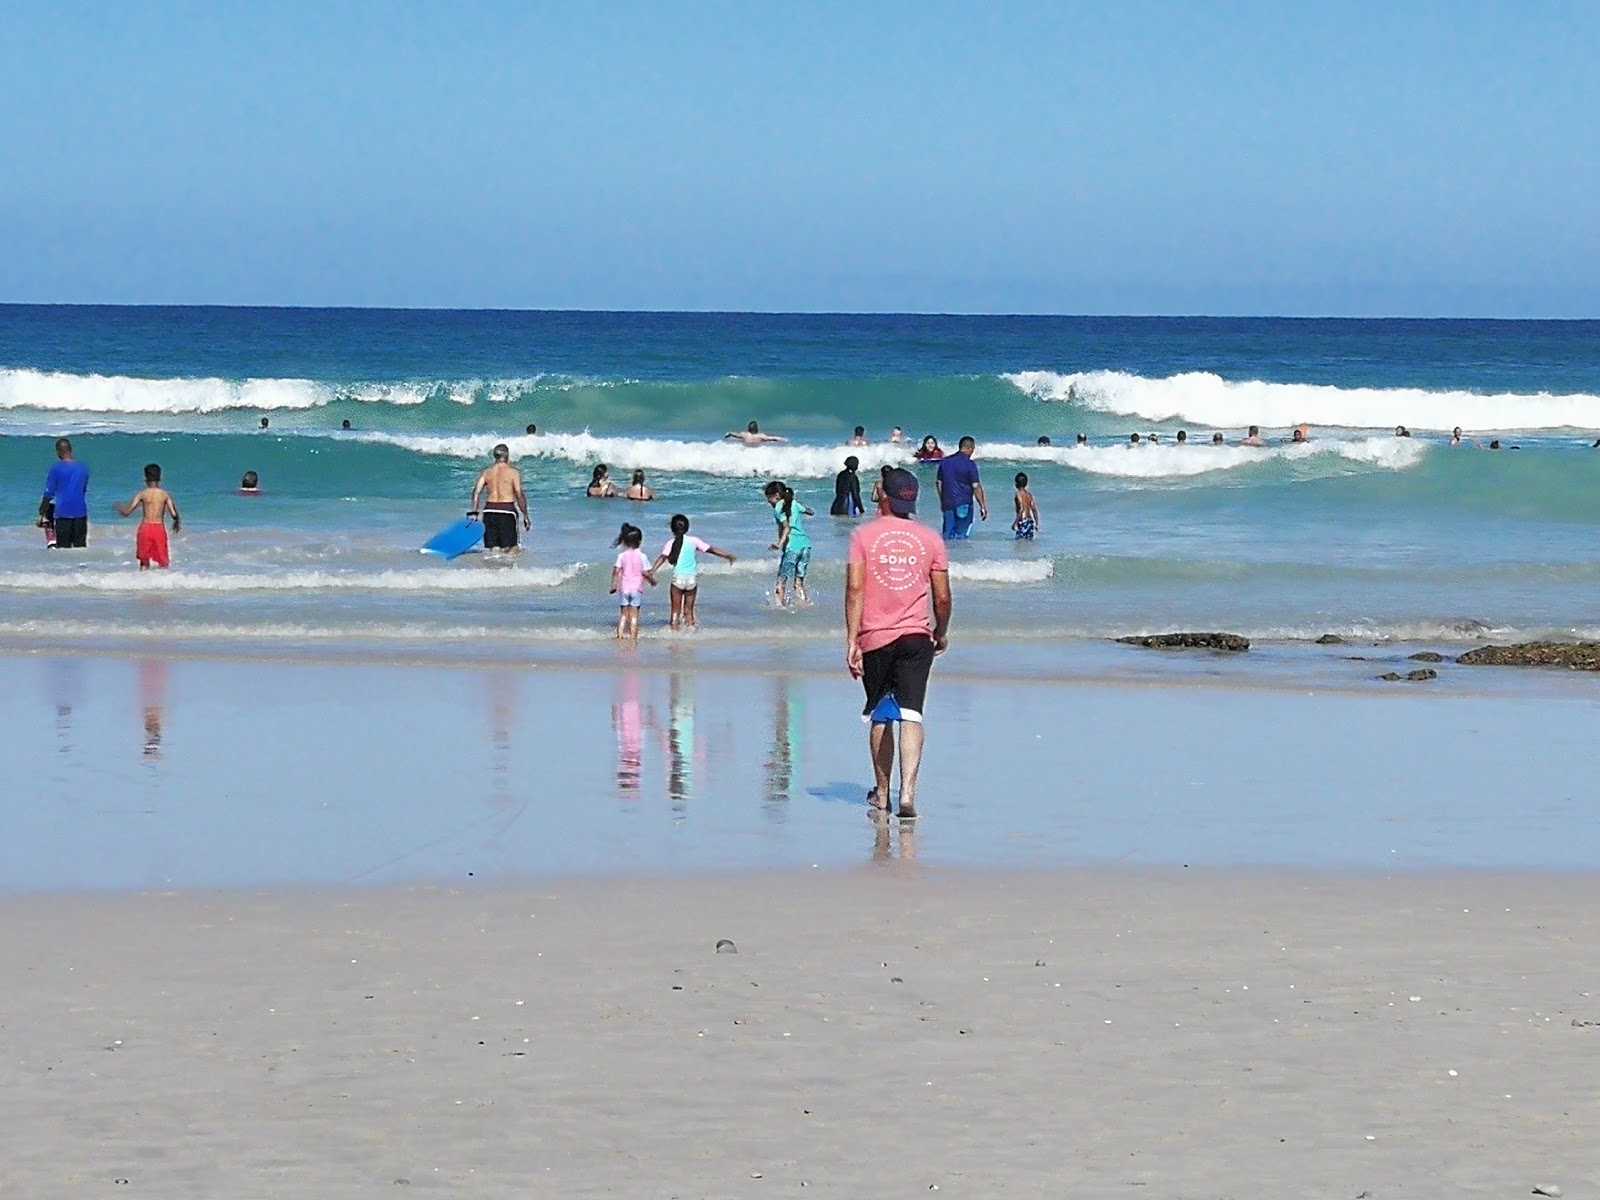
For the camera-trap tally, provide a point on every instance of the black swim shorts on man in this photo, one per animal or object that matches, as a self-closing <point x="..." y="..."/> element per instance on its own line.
<point x="499" y="527"/>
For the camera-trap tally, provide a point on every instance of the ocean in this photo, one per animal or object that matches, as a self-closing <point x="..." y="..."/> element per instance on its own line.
<point x="1357" y="532"/>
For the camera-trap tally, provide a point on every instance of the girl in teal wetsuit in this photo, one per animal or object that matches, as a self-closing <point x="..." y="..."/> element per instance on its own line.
<point x="793" y="541"/>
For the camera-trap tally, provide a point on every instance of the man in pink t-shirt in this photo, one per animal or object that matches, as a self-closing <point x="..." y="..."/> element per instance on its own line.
<point x="896" y="617"/>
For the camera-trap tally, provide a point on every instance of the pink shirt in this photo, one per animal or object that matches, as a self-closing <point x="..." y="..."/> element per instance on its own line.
<point x="900" y="557"/>
<point x="631" y="566"/>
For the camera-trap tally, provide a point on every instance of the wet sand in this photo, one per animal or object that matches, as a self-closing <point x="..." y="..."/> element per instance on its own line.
<point x="149" y="774"/>
<point x="882" y="1031"/>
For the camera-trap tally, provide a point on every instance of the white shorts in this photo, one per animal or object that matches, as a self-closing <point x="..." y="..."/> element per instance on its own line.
<point x="686" y="583"/>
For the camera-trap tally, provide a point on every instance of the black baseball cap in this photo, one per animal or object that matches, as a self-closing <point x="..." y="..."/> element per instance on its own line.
<point x="900" y="488"/>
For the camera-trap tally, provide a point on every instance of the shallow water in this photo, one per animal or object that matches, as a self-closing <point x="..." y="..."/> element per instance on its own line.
<point x="1357" y="532"/>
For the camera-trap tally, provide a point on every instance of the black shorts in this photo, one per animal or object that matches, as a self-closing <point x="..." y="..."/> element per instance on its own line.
<point x="901" y="667"/>
<point x="72" y="533"/>
<point x="499" y="530"/>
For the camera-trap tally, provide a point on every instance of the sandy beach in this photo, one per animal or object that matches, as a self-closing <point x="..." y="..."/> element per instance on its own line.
<point x="289" y="928"/>
<point x="890" y="1030"/>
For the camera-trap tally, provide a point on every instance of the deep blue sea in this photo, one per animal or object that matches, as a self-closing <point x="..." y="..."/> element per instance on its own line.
<point x="1357" y="531"/>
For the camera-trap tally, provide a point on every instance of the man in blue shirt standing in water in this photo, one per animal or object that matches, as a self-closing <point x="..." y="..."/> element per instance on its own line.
<point x="959" y="488"/>
<point x="67" y="487"/>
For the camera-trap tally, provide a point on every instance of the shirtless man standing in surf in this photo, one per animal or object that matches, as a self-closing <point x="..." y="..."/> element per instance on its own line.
<point x="501" y="488"/>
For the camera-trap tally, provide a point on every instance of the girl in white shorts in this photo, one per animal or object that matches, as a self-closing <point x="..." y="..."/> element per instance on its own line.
<point x="683" y="551"/>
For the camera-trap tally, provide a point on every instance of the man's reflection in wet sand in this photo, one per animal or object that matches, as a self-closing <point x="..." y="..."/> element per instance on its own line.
<point x="680" y="737"/>
<point x="788" y="721"/>
<point x="894" y="842"/>
<point x="153" y="702"/>
<point x="66" y="688"/>
<point x="502" y="689"/>
<point x="627" y="719"/>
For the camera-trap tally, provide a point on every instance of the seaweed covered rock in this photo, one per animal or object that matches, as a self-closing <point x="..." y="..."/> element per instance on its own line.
<point x="1233" y="643"/>
<point x="1575" y="656"/>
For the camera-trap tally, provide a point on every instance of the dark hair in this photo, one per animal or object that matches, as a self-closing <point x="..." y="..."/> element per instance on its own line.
<point x="629" y="536"/>
<point x="1022" y="479"/>
<point x="860" y="430"/>
<point x="968" y="442"/>
<point x="752" y="428"/>
<point x="599" y="470"/>
<point x="778" y="488"/>
<point x="502" y="453"/>
<point x="264" y="422"/>
<point x="927" y="439"/>
<point x="152" y="472"/>
<point x="250" y="480"/>
<point x="638" y="474"/>
<point x="1083" y="439"/>
<point x="1043" y="440"/>
<point x="852" y="463"/>
<point x="531" y="429"/>
<point x="679" y="526"/>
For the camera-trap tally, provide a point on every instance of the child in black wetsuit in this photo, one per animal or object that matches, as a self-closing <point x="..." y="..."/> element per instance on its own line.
<point x="847" y="490"/>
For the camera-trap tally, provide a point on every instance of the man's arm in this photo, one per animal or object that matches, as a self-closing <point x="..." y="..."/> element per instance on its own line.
<point x="983" y="502"/>
<point x="172" y="507"/>
<point x="855" y="601"/>
<point x="942" y="606"/>
<point x="521" y="498"/>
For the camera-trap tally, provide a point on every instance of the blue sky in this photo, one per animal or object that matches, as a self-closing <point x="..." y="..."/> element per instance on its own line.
<point x="1362" y="159"/>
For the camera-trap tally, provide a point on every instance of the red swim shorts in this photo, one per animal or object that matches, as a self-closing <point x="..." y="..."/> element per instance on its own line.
<point x="151" y="546"/>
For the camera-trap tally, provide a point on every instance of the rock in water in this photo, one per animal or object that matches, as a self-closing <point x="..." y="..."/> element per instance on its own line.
<point x="1330" y="639"/>
<point x="724" y="946"/>
<point x="1427" y="656"/>
<point x="1421" y="676"/>
<point x="1233" y="643"/>
<point x="1576" y="656"/>
<point x="1390" y="677"/>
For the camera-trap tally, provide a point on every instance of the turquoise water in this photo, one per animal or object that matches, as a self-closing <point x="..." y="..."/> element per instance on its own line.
<point x="1357" y="532"/>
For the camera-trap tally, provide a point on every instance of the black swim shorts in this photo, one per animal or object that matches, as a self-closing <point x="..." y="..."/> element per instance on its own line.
<point x="72" y="533"/>
<point x="499" y="529"/>
<point x="901" y="667"/>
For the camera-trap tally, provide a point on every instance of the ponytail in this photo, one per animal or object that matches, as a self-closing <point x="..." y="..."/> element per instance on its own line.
<point x="679" y="526"/>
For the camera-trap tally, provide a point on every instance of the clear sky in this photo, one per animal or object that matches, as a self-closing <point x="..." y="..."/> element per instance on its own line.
<point x="1297" y="158"/>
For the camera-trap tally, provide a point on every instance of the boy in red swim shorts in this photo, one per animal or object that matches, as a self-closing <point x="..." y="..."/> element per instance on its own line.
<point x="153" y="504"/>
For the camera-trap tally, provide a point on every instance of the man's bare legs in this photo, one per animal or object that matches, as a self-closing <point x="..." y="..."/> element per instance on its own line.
<point x="881" y="741"/>
<point x="910" y="766"/>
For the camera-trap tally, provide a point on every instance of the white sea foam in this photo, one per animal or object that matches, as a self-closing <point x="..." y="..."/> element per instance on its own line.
<point x="1167" y="460"/>
<point x="473" y="577"/>
<point x="107" y="395"/>
<point x="104" y="394"/>
<point x="727" y="459"/>
<point x="1027" y="570"/>
<point x="1208" y="400"/>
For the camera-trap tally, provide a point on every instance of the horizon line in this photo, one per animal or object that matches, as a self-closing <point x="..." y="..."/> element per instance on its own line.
<point x="781" y="312"/>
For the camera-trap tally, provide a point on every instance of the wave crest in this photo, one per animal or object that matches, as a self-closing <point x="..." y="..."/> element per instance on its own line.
<point x="1204" y="399"/>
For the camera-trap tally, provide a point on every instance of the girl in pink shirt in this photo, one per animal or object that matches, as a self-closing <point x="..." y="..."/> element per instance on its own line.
<point x="628" y="577"/>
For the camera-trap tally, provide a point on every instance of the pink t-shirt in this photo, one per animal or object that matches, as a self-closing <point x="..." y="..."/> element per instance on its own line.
<point x="900" y="557"/>
<point x="631" y="566"/>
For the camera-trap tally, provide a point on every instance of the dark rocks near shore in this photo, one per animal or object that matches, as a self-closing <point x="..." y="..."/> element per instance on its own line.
<point x="1575" y="656"/>
<point x="1232" y="643"/>
<point x="1330" y="639"/>
<point x="1418" y="676"/>
<point x="1427" y="656"/>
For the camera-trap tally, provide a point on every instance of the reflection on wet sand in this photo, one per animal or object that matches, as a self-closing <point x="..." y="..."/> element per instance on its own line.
<point x="66" y="688"/>
<point x="680" y="737"/>
<point x="152" y="702"/>
<point x="894" y="843"/>
<point x="627" y="720"/>
<point x="788" y="720"/>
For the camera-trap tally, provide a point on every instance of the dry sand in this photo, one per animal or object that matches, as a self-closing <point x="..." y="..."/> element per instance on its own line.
<point x="878" y="1033"/>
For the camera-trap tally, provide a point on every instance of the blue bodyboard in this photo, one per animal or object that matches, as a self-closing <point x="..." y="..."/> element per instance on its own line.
<point x="463" y="537"/>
